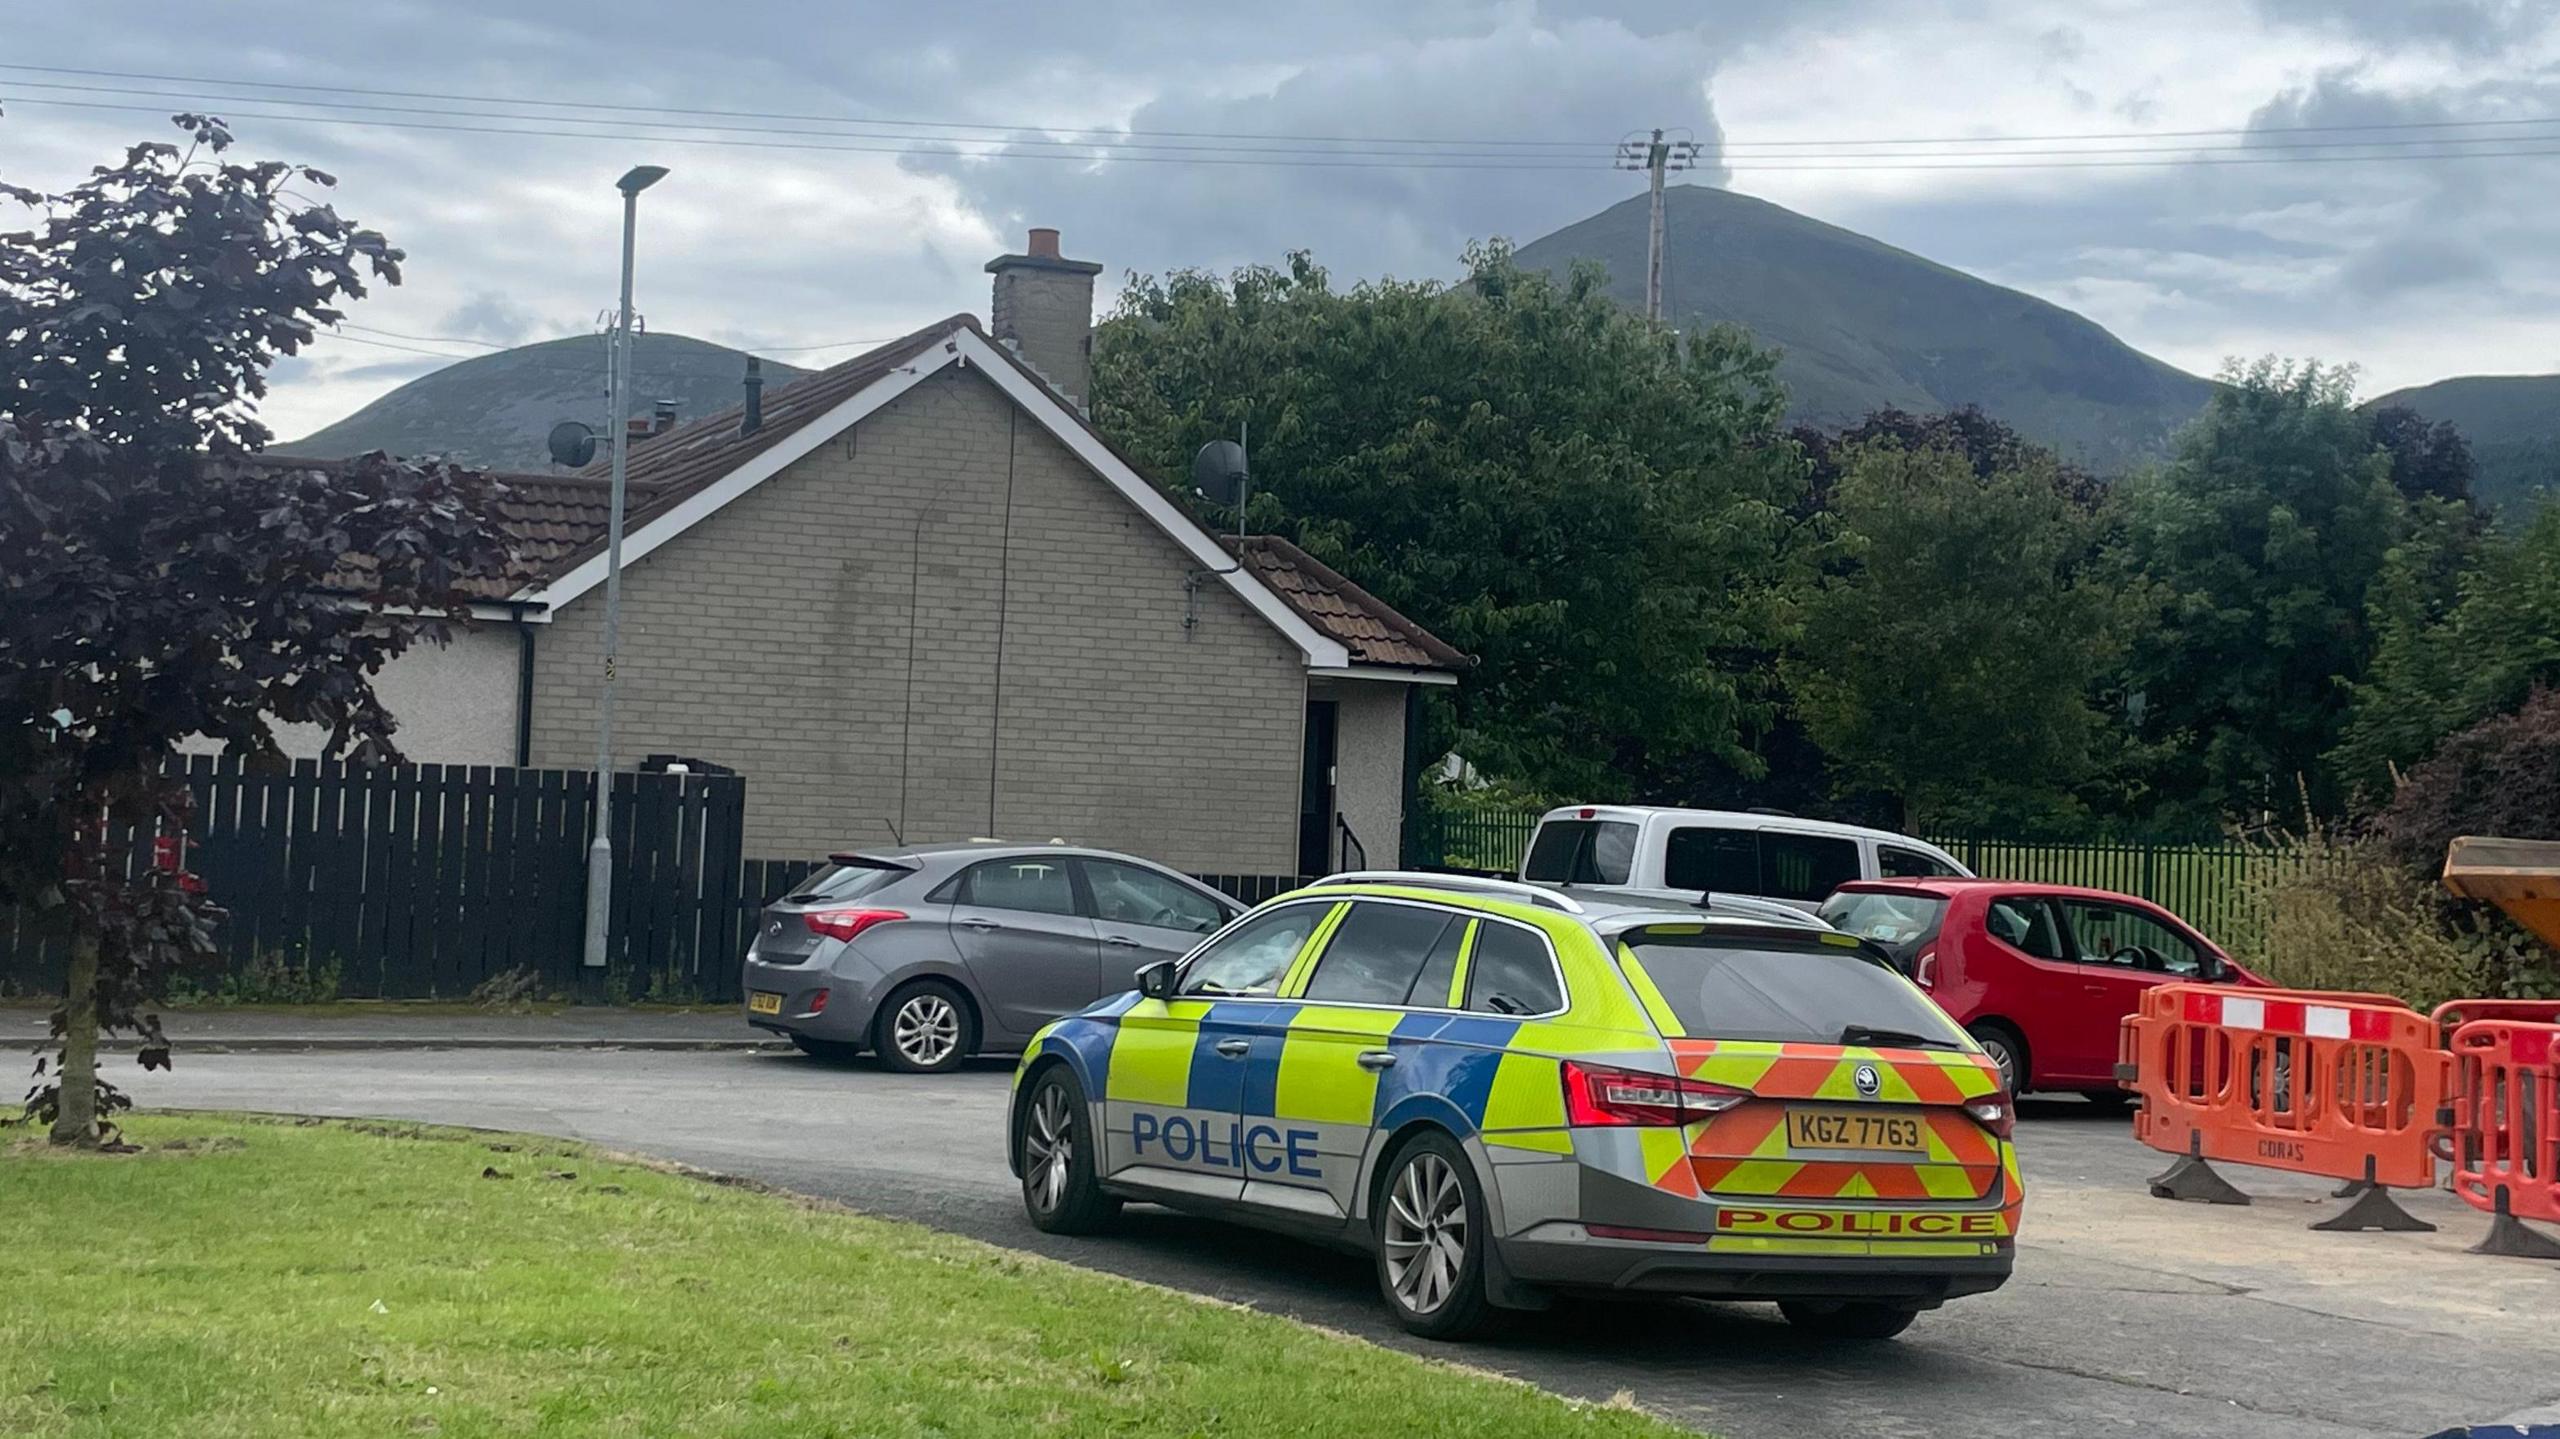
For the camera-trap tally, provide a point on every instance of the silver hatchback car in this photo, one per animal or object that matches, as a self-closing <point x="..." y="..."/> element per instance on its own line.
<point x="927" y="954"/>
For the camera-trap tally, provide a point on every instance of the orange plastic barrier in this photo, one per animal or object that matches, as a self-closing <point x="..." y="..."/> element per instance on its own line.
<point x="2455" y="1013"/>
<point x="2351" y="1086"/>
<point x="2506" y="1134"/>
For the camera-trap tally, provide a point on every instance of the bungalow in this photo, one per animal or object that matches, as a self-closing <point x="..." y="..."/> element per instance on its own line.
<point x="917" y="596"/>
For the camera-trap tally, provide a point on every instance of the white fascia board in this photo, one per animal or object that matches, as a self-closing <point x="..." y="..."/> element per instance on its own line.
<point x="510" y="610"/>
<point x="1322" y="651"/>
<point x="707" y="501"/>
<point x="1390" y="674"/>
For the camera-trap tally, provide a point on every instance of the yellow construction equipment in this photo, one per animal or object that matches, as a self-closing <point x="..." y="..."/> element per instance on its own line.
<point x="2520" y="876"/>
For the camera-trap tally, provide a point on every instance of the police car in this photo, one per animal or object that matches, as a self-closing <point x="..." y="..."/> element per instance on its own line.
<point x="1503" y="1092"/>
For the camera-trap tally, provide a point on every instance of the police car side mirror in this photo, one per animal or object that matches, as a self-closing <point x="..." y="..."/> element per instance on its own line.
<point x="1156" y="980"/>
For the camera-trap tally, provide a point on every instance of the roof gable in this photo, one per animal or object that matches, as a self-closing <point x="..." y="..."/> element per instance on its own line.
<point x="676" y="480"/>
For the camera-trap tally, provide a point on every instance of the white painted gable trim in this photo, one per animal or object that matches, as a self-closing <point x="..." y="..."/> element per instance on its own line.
<point x="1322" y="651"/>
<point x="702" y="504"/>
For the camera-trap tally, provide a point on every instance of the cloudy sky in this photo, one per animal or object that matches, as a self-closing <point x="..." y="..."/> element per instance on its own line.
<point x="872" y="157"/>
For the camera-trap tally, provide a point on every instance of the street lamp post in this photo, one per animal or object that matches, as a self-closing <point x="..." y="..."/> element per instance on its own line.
<point x="600" y="850"/>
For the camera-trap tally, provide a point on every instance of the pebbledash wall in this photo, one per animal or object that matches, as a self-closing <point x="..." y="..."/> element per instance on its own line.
<point x="455" y="702"/>
<point x="1368" y="749"/>
<point x="941" y="625"/>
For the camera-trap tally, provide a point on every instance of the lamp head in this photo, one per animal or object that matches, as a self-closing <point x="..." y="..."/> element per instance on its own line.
<point x="640" y="178"/>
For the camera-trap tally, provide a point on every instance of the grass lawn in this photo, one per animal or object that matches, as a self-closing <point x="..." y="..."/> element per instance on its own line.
<point x="275" y="1278"/>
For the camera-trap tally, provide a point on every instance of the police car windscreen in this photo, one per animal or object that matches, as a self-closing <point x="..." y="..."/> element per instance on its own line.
<point x="1768" y="990"/>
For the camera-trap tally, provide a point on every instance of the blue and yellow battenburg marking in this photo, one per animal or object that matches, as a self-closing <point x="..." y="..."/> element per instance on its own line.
<point x="1294" y="1099"/>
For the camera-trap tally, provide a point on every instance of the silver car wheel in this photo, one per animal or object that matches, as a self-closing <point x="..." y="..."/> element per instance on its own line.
<point x="1425" y="1233"/>
<point x="1049" y="1147"/>
<point x="926" y="1030"/>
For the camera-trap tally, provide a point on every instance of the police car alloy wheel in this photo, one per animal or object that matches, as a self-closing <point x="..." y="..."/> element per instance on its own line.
<point x="1431" y="1239"/>
<point x="1056" y="1159"/>
<point x="924" y="1028"/>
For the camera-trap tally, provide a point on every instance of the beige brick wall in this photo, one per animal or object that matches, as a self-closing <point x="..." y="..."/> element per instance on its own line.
<point x="835" y="635"/>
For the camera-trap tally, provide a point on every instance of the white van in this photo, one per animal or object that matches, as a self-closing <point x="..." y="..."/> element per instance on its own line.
<point x="1720" y="851"/>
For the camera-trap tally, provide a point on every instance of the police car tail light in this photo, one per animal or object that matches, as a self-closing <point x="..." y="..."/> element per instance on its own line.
<point x="846" y="923"/>
<point x="1995" y="1113"/>
<point x="1597" y="1096"/>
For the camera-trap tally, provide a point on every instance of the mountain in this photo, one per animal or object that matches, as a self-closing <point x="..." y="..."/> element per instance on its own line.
<point x="497" y="409"/>
<point x="1861" y="326"/>
<point x="2512" y="422"/>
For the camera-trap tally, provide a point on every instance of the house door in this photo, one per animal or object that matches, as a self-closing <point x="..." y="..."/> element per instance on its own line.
<point x="1315" y="791"/>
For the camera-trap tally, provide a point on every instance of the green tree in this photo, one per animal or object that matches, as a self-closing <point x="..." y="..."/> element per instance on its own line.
<point x="2261" y="540"/>
<point x="1592" y="507"/>
<point x="1950" y="655"/>
<point x="2443" y="665"/>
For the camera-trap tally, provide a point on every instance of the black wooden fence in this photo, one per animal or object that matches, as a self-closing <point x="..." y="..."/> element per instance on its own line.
<point x="432" y="881"/>
<point x="428" y="881"/>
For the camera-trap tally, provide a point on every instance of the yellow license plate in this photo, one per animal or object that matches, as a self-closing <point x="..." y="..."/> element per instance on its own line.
<point x="1855" y="1129"/>
<point x="764" y="1002"/>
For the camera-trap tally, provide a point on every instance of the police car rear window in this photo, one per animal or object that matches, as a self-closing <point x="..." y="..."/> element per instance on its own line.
<point x="1808" y="993"/>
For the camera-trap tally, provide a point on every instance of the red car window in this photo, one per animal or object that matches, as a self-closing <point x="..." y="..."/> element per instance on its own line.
<point x="2025" y="924"/>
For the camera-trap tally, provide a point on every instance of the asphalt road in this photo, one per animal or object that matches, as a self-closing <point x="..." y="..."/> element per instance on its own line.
<point x="2128" y="1315"/>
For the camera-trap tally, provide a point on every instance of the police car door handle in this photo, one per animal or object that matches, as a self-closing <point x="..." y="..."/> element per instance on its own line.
<point x="1374" y="1060"/>
<point x="1234" y="1048"/>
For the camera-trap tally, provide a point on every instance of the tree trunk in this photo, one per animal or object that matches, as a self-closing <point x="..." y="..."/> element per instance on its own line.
<point x="76" y="1122"/>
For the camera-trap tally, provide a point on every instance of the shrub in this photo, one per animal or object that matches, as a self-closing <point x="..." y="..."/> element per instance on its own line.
<point x="2500" y="776"/>
<point x="2340" y="914"/>
<point x="271" y="977"/>
<point x="513" y="989"/>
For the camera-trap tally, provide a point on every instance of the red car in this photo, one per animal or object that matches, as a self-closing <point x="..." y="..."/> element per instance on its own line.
<point x="2040" y="973"/>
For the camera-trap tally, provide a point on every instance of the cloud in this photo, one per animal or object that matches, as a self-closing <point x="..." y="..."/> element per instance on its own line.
<point x="2418" y="269"/>
<point x="1394" y="204"/>
<point x="489" y="316"/>
<point x="2470" y="27"/>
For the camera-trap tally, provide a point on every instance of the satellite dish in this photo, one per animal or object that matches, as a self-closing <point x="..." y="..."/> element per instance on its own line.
<point x="1218" y="472"/>
<point x="572" y="444"/>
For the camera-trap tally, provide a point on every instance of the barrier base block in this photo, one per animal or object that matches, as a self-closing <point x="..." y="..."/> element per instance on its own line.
<point x="2194" y="1181"/>
<point x="2350" y="1190"/>
<point x="2374" y="1208"/>
<point x="2512" y="1238"/>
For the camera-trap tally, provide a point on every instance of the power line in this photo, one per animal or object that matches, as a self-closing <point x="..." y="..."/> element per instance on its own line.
<point x="799" y="349"/>
<point x="1114" y="145"/>
<point x="424" y="339"/>
<point x="784" y="115"/>
<point x="2251" y="141"/>
<point x="890" y="149"/>
<point x="2255" y="154"/>
<point x="1121" y="136"/>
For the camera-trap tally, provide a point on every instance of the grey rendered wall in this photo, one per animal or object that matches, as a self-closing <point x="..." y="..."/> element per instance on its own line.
<point x="1369" y="762"/>
<point x="947" y="626"/>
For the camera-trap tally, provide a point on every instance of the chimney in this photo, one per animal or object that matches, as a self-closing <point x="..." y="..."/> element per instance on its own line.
<point x="752" y="419"/>
<point x="1044" y="309"/>
<point x="662" y="417"/>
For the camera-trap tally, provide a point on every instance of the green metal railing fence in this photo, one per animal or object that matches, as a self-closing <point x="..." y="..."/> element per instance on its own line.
<point x="2207" y="884"/>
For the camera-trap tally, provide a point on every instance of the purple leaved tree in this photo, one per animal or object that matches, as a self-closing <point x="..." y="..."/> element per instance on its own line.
<point x="158" y="578"/>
